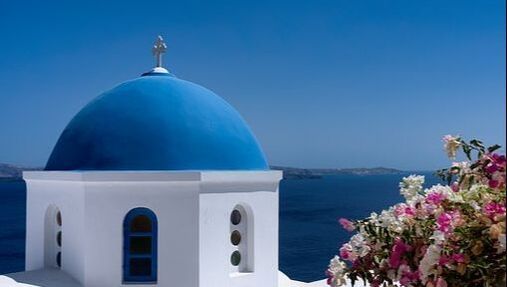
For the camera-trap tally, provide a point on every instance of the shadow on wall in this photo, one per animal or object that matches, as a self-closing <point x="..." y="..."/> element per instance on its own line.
<point x="50" y="277"/>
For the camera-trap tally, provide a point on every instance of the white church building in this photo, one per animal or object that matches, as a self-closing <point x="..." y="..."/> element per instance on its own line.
<point x="156" y="182"/>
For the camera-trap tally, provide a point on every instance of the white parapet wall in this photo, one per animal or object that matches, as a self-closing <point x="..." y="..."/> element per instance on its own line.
<point x="57" y="278"/>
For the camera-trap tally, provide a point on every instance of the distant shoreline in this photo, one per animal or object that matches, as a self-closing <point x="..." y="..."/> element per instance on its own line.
<point x="316" y="173"/>
<point x="9" y="172"/>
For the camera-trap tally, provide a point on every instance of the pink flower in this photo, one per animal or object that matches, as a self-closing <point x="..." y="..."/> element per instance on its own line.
<point x="404" y="210"/>
<point x="444" y="260"/>
<point x="441" y="282"/>
<point x="344" y="253"/>
<point x="498" y="159"/>
<point x="493" y="183"/>
<point x="435" y="198"/>
<point x="397" y="251"/>
<point x="493" y="209"/>
<point x="347" y="252"/>
<point x="458" y="257"/>
<point x="407" y="276"/>
<point x="492" y="168"/>
<point x="347" y="224"/>
<point x="455" y="187"/>
<point x="444" y="222"/>
<point x="429" y="208"/>
<point x="496" y="169"/>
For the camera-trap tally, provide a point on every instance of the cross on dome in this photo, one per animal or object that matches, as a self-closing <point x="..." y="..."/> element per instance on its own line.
<point x="158" y="49"/>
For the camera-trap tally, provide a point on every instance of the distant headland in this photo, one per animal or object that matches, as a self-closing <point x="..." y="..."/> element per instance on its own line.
<point x="14" y="172"/>
<point x="309" y="173"/>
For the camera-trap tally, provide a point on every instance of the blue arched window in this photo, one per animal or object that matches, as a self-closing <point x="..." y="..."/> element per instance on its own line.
<point x="140" y="246"/>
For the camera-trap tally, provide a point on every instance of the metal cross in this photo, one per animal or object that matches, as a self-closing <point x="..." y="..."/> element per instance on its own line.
<point x="158" y="49"/>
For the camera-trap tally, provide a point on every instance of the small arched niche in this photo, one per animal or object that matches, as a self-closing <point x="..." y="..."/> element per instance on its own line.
<point x="241" y="238"/>
<point x="53" y="237"/>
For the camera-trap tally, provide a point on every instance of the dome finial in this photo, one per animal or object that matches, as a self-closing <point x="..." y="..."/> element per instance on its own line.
<point x="158" y="49"/>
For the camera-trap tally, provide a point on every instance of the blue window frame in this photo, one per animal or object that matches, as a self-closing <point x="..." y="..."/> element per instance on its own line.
<point x="140" y="246"/>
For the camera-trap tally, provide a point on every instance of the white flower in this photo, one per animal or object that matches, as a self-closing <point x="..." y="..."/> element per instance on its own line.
<point x="388" y="219"/>
<point x="442" y="189"/>
<point x="474" y="195"/>
<point x="476" y="189"/>
<point x="357" y="240"/>
<point x="360" y="245"/>
<point x="464" y="167"/>
<point x="372" y="219"/>
<point x="475" y="205"/>
<point x="451" y="145"/>
<point x="446" y="191"/>
<point x="411" y="186"/>
<point x="438" y="237"/>
<point x="456" y="197"/>
<point x="428" y="262"/>
<point x="418" y="198"/>
<point x="336" y="271"/>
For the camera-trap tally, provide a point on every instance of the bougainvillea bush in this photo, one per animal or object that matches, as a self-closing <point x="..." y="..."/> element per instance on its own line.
<point x="446" y="235"/>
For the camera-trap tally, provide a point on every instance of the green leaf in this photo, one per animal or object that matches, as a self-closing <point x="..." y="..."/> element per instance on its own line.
<point x="474" y="165"/>
<point x="493" y="148"/>
<point x="476" y="143"/>
<point x="467" y="150"/>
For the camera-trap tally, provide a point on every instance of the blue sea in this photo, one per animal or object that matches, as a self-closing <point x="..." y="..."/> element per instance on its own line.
<point x="309" y="209"/>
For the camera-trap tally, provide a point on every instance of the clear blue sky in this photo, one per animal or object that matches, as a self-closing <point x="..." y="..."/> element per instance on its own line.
<point x="337" y="83"/>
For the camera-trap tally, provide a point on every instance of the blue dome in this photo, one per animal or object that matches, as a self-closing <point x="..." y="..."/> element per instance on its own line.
<point x="157" y="122"/>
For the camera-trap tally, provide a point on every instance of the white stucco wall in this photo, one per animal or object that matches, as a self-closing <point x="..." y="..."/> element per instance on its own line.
<point x="68" y="196"/>
<point x="258" y="192"/>
<point x="176" y="207"/>
<point x="193" y="211"/>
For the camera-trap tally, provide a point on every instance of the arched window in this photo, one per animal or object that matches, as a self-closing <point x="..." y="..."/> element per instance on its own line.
<point x="241" y="238"/>
<point x="140" y="246"/>
<point x="53" y="237"/>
